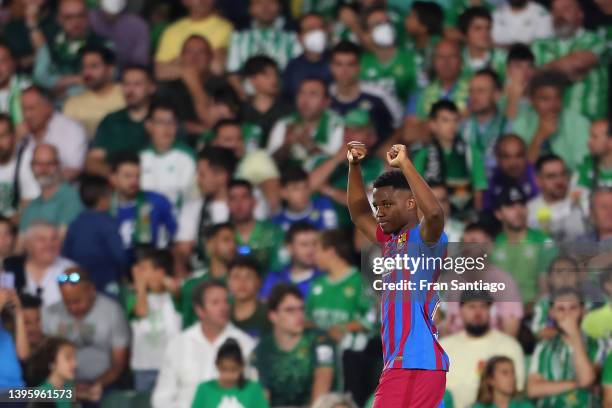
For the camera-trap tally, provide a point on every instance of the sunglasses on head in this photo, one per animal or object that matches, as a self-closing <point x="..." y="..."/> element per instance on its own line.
<point x="72" y="277"/>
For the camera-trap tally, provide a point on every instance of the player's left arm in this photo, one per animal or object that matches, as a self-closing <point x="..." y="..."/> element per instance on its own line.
<point x="432" y="224"/>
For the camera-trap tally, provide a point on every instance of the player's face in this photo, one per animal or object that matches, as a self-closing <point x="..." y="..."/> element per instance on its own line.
<point x="393" y="208"/>
<point x="475" y="313"/>
<point x="504" y="379"/>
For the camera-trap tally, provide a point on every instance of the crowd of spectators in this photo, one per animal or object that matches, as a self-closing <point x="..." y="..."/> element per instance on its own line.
<point x="173" y="220"/>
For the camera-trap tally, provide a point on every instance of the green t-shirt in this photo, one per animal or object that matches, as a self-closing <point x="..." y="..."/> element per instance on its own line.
<point x="569" y="141"/>
<point x="592" y="177"/>
<point x="589" y="95"/>
<point x="63" y="402"/>
<point x="371" y="168"/>
<point x="288" y="375"/>
<point x="513" y="404"/>
<point x="60" y="209"/>
<point x="433" y="92"/>
<point x="210" y="394"/>
<point x="606" y="376"/>
<point x="525" y="261"/>
<point x="423" y="58"/>
<point x="257" y="325"/>
<point x="464" y="171"/>
<point x="265" y="243"/>
<point x="330" y="303"/>
<point x="553" y="360"/>
<point x="118" y="132"/>
<point x="397" y="77"/>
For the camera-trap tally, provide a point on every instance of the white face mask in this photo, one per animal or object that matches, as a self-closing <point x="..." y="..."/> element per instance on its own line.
<point x="112" y="6"/>
<point x="383" y="35"/>
<point x="315" y="41"/>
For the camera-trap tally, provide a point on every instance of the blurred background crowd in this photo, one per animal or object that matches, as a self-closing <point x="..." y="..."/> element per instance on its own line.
<point x="174" y="229"/>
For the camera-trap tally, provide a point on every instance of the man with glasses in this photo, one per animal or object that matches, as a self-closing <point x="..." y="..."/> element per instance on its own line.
<point x="56" y="64"/>
<point x="553" y="210"/>
<point x="295" y="365"/>
<point x="59" y="202"/>
<point x="96" y="325"/>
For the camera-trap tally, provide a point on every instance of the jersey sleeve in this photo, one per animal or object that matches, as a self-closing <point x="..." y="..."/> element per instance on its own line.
<point x="324" y="352"/>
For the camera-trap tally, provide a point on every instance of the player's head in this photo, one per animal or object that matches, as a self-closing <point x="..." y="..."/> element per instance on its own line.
<point x="394" y="204"/>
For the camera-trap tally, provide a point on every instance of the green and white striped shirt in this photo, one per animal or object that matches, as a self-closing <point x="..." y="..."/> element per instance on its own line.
<point x="10" y="98"/>
<point x="495" y="59"/>
<point x="589" y="95"/>
<point x="553" y="359"/>
<point x="280" y="45"/>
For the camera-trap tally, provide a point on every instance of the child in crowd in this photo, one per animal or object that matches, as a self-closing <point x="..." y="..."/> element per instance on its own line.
<point x="563" y="272"/>
<point x="243" y="282"/>
<point x="154" y="320"/>
<point x="300" y="206"/>
<point x="53" y="368"/>
<point x="93" y="239"/>
<point x="498" y="385"/>
<point x="450" y="160"/>
<point x="598" y="322"/>
<point x="231" y="389"/>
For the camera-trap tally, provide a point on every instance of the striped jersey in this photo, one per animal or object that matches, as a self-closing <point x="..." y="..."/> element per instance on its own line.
<point x="280" y="45"/>
<point x="409" y="336"/>
<point x="589" y="95"/>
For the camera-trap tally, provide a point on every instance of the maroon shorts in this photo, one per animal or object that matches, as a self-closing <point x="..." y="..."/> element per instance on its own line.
<point x="403" y="388"/>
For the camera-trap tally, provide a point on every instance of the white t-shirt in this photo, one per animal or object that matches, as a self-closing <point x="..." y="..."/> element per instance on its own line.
<point x="67" y="136"/>
<point x="50" y="287"/>
<point x="563" y="220"/>
<point x="151" y="334"/>
<point x="189" y="218"/>
<point x="189" y="360"/>
<point x="28" y="187"/>
<point x="171" y="174"/>
<point x="530" y="24"/>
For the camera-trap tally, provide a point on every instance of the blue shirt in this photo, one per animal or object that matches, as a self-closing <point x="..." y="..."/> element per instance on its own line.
<point x="10" y="370"/>
<point x="284" y="276"/>
<point x="409" y="335"/>
<point x="298" y="69"/>
<point x="321" y="214"/>
<point x="93" y="242"/>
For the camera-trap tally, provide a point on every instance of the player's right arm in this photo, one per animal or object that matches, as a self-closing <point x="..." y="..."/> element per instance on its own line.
<point x="357" y="199"/>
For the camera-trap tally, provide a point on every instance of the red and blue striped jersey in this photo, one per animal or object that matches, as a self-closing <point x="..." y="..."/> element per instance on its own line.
<point x="409" y="336"/>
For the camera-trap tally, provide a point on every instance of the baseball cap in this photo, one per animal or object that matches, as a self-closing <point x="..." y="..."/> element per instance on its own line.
<point x="510" y="195"/>
<point x="357" y="118"/>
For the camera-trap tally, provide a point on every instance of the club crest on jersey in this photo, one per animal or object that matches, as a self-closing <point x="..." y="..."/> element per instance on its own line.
<point x="402" y="239"/>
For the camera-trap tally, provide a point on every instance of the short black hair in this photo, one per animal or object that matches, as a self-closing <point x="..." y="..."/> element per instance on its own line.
<point x="9" y="223"/>
<point x="468" y="16"/>
<point x="442" y="105"/>
<point x="392" y="178"/>
<point x="42" y="92"/>
<point x="230" y="349"/>
<point x="298" y="228"/>
<point x="219" y="158"/>
<point x="105" y="53"/>
<point x="376" y="8"/>
<point x="160" y="258"/>
<point x="548" y="78"/>
<point x="508" y="136"/>
<point x="8" y="49"/>
<point x="316" y="79"/>
<point x="241" y="183"/>
<point x="293" y="174"/>
<point x="280" y="292"/>
<point x="92" y="189"/>
<point x="520" y="52"/>
<point x="488" y="72"/>
<point x="6" y="118"/>
<point x="309" y="15"/>
<point x="226" y="122"/>
<point x="245" y="261"/>
<point x="339" y="241"/>
<point x="199" y="291"/>
<point x="124" y="157"/>
<point x="146" y="70"/>
<point x="475" y="296"/>
<point x="30" y="301"/>
<point x="567" y="291"/>
<point x="212" y="230"/>
<point x="346" y="47"/>
<point x="430" y="15"/>
<point x="258" y="65"/>
<point x="547" y="158"/>
<point x="222" y="93"/>
<point x="480" y="226"/>
<point x="161" y="105"/>
<point x="565" y="258"/>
